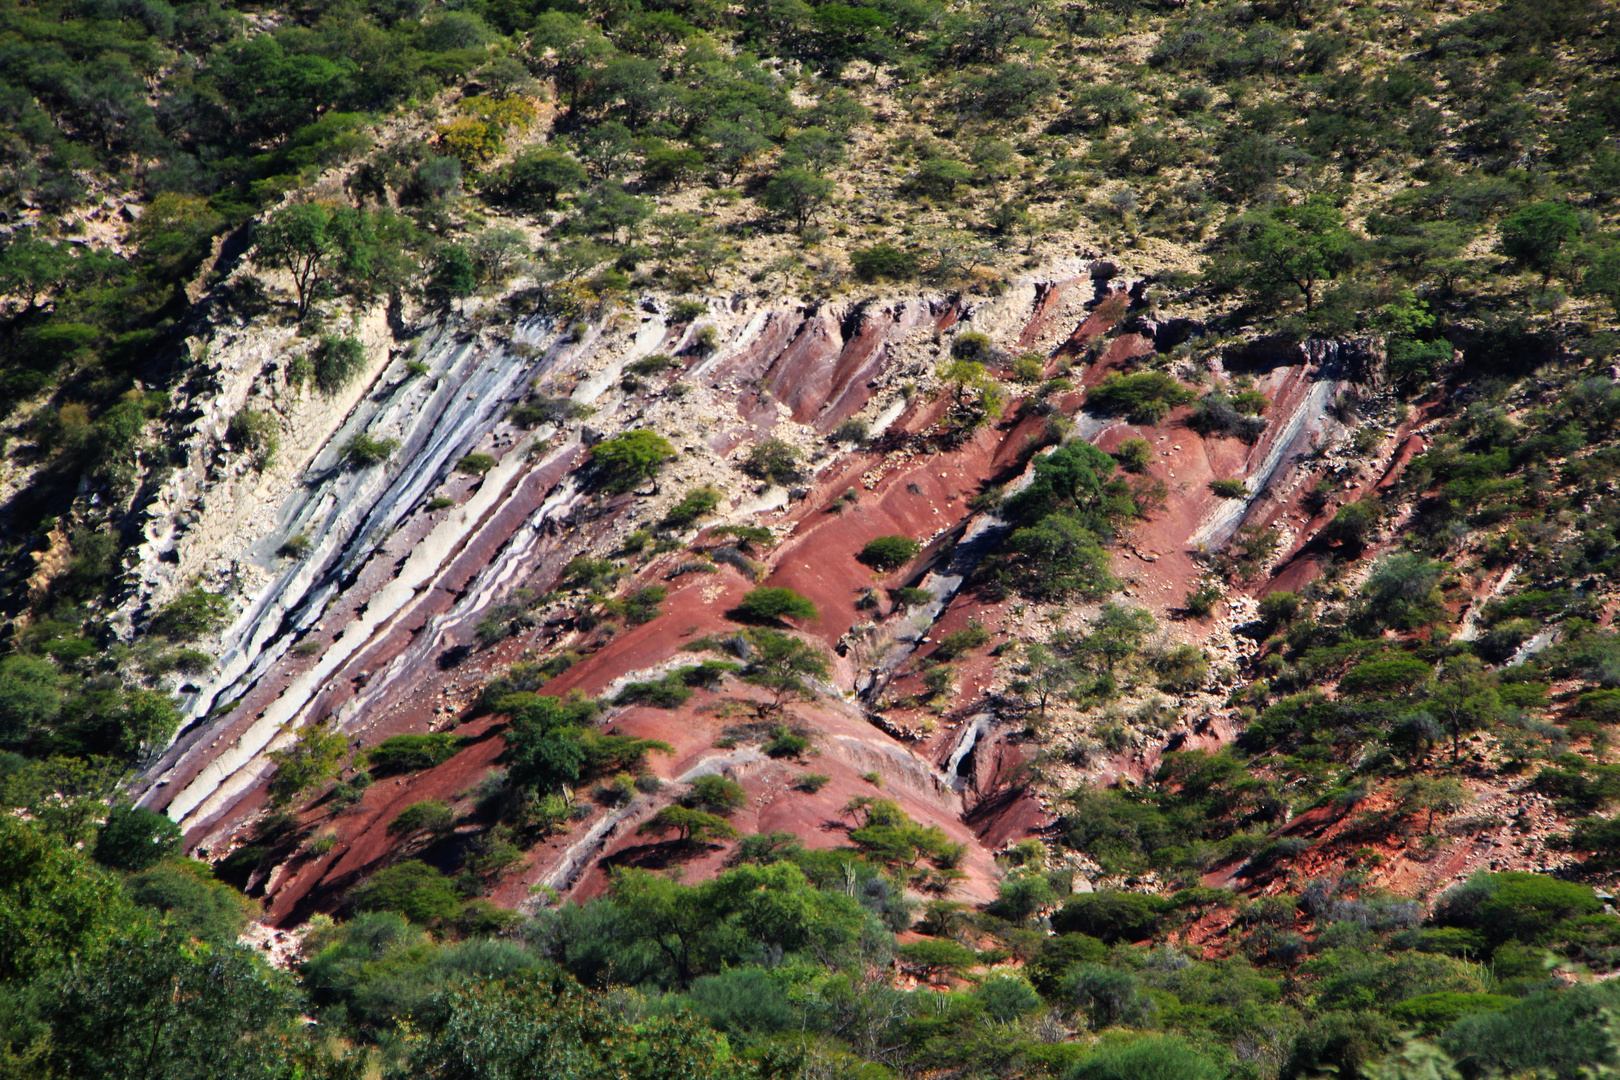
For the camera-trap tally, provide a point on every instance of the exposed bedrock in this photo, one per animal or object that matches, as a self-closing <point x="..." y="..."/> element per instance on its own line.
<point x="383" y="611"/>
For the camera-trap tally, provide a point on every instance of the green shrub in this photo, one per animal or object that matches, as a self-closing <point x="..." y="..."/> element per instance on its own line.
<point x="185" y="892"/>
<point x="134" y="838"/>
<point x="1515" y="906"/>
<point x="336" y="363"/>
<point x="1229" y="489"/>
<point x="774" y="460"/>
<point x="412" y="889"/>
<point x="429" y="815"/>
<point x="475" y="464"/>
<point x="694" y="504"/>
<point x="362" y="451"/>
<point x="1200" y="602"/>
<point x="668" y="692"/>
<point x="191" y="615"/>
<point x="957" y="642"/>
<point x="1134" y="455"/>
<point x="889" y="552"/>
<point x="883" y="261"/>
<point x="1145" y="397"/>
<point x="412" y="753"/>
<point x="812" y="782"/>
<point x="768" y="604"/>
<point x="1433" y="1013"/>
<point x="1149" y="1057"/>
<point x="785" y="743"/>
<point x="255" y="431"/>
<point x="1112" y="916"/>
<point x="910" y="597"/>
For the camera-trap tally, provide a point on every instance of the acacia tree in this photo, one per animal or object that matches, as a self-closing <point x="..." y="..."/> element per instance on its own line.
<point x="696" y="827"/>
<point x="798" y="194"/>
<point x="781" y="664"/>
<point x="1295" y="246"/>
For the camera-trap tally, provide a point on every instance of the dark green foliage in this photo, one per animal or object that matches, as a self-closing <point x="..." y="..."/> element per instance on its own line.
<point x="1535" y="235"/>
<point x="134" y="838"/>
<point x="1144" y="398"/>
<point x="1516" y="1040"/>
<point x="412" y="889"/>
<point x="154" y="1007"/>
<point x="774" y="460"/>
<point x="693" y="505"/>
<point x="622" y="463"/>
<point x="412" y="753"/>
<point x="337" y="361"/>
<point x="1111" y="916"/>
<point x="889" y="552"/>
<point x="883" y="261"/>
<point x="1433" y="1013"/>
<point x="1058" y="558"/>
<point x="1150" y="1057"/>
<point x="186" y="895"/>
<point x="768" y="604"/>
<point x="1229" y="489"/>
<point x="1515" y="906"/>
<point x="192" y="615"/>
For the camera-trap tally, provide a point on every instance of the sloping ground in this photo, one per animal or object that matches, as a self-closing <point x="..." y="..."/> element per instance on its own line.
<point x="385" y="614"/>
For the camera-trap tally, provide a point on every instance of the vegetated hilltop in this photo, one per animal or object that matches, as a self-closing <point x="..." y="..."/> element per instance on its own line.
<point x="998" y="539"/>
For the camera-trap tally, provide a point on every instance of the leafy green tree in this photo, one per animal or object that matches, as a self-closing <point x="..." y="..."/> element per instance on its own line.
<point x="797" y="194"/>
<point x="696" y="827"/>
<point x="412" y="889"/>
<point x="154" y="1008"/>
<point x="133" y="838"/>
<point x="543" y="1024"/>
<point x="1465" y="700"/>
<point x="781" y="663"/>
<point x="64" y="796"/>
<point x="338" y="361"/>
<point x="1294" y="247"/>
<point x="715" y="794"/>
<point x="299" y="240"/>
<point x="54" y="903"/>
<point x="314" y="757"/>
<point x="186" y="895"/>
<point x="535" y="180"/>
<point x="431" y="816"/>
<point x="1059" y="557"/>
<point x="1535" y="236"/>
<point x="455" y="274"/>
<point x="774" y="460"/>
<point x="1434" y="794"/>
<point x="30" y="697"/>
<point x="621" y="463"/>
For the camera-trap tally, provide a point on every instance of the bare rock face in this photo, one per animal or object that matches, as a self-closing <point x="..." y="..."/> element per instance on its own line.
<point x="373" y="626"/>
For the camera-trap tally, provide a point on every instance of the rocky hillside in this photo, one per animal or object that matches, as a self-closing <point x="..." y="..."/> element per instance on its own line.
<point x="1006" y="539"/>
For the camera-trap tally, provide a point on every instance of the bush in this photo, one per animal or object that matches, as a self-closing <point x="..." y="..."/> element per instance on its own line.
<point x="1059" y="557"/>
<point x="619" y="464"/>
<point x="192" y="615"/>
<point x="694" y="504"/>
<point x="1151" y="1057"/>
<point x="412" y="889"/>
<point x="1433" y="1013"/>
<point x="883" y="261"/>
<point x="429" y="815"/>
<point x="475" y="464"/>
<point x="766" y="604"/>
<point x="1145" y="397"/>
<point x="1134" y="455"/>
<point x="715" y="794"/>
<point x="785" y="743"/>
<point x="254" y="430"/>
<point x="774" y="460"/>
<point x="134" y="838"/>
<point x="1218" y="413"/>
<point x="1112" y="916"/>
<point x="184" y="892"/>
<point x="889" y="552"/>
<point x="910" y="597"/>
<point x="336" y="363"/>
<point x="957" y="642"/>
<point x="1229" y="489"/>
<point x="812" y="782"/>
<point x="668" y="692"/>
<point x="363" y="451"/>
<point x="1353" y="523"/>
<point x="1515" y="906"/>
<point x="850" y="431"/>
<point x="1200" y="602"/>
<point x="1006" y="997"/>
<point x="412" y="753"/>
